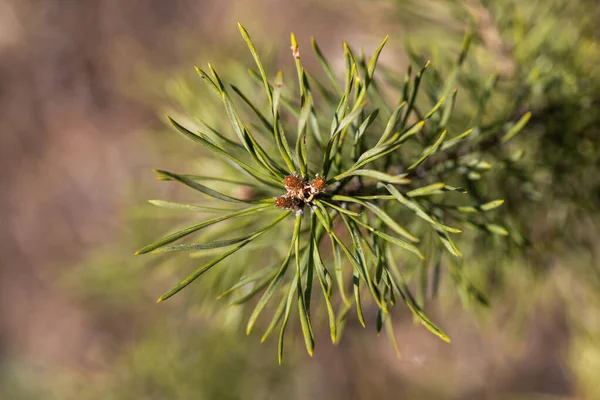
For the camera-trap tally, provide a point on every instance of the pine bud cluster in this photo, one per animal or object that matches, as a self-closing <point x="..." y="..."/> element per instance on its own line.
<point x="300" y="192"/>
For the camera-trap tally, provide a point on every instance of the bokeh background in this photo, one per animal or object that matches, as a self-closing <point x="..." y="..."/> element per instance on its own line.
<point x="83" y="87"/>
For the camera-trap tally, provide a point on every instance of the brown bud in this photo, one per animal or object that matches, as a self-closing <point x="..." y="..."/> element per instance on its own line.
<point x="294" y="184"/>
<point x="317" y="185"/>
<point x="287" y="202"/>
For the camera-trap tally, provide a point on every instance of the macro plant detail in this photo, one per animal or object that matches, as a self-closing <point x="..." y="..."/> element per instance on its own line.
<point x="371" y="187"/>
<point x="300" y="192"/>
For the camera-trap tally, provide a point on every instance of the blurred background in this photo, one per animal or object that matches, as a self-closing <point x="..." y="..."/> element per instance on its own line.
<point x="83" y="87"/>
